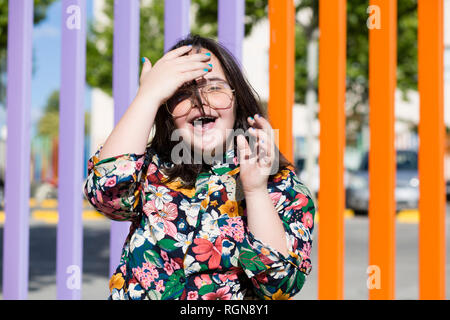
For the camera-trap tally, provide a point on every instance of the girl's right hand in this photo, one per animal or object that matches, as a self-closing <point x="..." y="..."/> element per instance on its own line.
<point x="175" y="68"/>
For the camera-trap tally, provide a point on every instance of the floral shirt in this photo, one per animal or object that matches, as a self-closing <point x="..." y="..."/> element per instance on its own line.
<point x="194" y="243"/>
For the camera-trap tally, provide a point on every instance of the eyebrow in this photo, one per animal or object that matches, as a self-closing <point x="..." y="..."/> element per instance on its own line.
<point x="203" y="80"/>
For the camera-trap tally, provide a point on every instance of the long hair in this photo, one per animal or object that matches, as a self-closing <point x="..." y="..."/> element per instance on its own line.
<point x="246" y="104"/>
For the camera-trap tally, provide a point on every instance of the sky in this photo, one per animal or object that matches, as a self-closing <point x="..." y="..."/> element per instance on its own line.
<point x="47" y="61"/>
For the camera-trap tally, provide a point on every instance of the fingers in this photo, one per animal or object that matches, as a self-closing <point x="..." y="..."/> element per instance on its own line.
<point x="263" y="133"/>
<point x="244" y="152"/>
<point x="193" y="57"/>
<point x="193" y="66"/>
<point x="146" y="67"/>
<point x="191" y="75"/>
<point x="259" y="122"/>
<point x="176" y="53"/>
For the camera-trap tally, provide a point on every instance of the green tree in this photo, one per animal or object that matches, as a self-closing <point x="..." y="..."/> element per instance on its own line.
<point x="48" y="124"/>
<point x="100" y="44"/>
<point x="39" y="12"/>
<point x="357" y="79"/>
<point x="100" y="38"/>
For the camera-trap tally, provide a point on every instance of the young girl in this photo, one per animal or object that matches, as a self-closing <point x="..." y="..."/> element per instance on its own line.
<point x="211" y="218"/>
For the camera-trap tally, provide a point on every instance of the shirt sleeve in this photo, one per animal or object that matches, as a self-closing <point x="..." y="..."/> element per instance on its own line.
<point x="274" y="276"/>
<point x="115" y="185"/>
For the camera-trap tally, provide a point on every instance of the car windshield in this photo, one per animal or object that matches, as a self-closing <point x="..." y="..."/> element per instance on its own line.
<point x="406" y="160"/>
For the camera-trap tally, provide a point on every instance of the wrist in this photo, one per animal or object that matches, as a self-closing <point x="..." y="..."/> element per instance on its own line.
<point x="256" y="192"/>
<point x="148" y="97"/>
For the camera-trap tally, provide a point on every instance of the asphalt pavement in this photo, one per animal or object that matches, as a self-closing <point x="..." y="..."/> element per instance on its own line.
<point x="42" y="279"/>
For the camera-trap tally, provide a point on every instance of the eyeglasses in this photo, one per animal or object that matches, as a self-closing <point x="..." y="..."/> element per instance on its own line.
<point x="218" y="95"/>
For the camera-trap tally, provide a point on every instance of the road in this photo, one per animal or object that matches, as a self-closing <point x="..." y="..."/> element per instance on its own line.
<point x="96" y="249"/>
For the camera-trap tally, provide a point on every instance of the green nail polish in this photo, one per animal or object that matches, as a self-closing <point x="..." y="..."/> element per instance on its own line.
<point x="208" y="54"/>
<point x="209" y="64"/>
<point x="206" y="70"/>
<point x="143" y="59"/>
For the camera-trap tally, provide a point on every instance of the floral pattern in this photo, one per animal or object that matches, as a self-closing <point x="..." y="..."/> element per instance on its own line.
<point x="194" y="244"/>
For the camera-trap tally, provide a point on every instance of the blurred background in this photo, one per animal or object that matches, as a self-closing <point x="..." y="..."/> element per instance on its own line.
<point x="99" y="123"/>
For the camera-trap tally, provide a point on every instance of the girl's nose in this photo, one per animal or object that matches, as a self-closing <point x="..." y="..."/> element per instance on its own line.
<point x="200" y="102"/>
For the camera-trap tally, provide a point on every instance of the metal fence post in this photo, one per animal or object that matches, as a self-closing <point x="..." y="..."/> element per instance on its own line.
<point x="17" y="179"/>
<point x="125" y="86"/>
<point x="331" y="196"/>
<point x="432" y="260"/>
<point x="70" y="150"/>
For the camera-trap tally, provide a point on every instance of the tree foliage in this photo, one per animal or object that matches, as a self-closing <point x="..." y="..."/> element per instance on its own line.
<point x="48" y="125"/>
<point x="39" y="14"/>
<point x="205" y="23"/>
<point x="100" y="44"/>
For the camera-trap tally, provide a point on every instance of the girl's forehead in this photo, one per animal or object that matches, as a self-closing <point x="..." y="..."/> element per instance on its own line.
<point x="216" y="71"/>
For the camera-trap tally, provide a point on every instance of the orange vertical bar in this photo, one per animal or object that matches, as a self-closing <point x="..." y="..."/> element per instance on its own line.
<point x="431" y="151"/>
<point x="281" y="71"/>
<point x="382" y="157"/>
<point x="331" y="204"/>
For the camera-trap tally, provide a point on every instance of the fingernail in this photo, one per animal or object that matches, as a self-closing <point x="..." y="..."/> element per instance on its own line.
<point x="209" y="64"/>
<point x="257" y="115"/>
<point x="206" y="70"/>
<point x="143" y="59"/>
<point x="251" y="118"/>
<point x="208" y="54"/>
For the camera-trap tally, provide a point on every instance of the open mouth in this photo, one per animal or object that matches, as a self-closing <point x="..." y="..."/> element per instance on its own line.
<point x="203" y="123"/>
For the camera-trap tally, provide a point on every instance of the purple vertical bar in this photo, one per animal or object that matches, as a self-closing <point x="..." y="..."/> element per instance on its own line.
<point x="176" y="21"/>
<point x="231" y="26"/>
<point x="125" y="85"/>
<point x="71" y="148"/>
<point x="17" y="189"/>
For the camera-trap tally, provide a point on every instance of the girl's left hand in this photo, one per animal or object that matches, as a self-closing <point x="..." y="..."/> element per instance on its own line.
<point x="256" y="165"/>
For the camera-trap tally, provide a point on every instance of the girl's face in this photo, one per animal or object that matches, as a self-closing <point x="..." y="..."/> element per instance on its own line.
<point x="207" y="132"/>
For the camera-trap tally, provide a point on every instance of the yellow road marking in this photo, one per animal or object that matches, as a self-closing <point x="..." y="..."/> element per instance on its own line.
<point x="49" y="203"/>
<point x="50" y="216"/>
<point x="408" y="216"/>
<point x="348" y="214"/>
<point x="92" y="215"/>
<point x="45" y="215"/>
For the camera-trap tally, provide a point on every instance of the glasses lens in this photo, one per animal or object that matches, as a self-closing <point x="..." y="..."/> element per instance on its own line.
<point x="219" y="95"/>
<point x="179" y="103"/>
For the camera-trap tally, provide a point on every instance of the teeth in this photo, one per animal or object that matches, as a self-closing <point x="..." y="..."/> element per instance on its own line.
<point x="203" y="118"/>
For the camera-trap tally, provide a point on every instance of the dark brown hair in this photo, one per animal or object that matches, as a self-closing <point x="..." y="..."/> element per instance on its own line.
<point x="246" y="104"/>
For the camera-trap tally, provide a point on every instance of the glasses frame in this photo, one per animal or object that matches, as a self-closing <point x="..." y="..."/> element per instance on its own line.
<point x="199" y="94"/>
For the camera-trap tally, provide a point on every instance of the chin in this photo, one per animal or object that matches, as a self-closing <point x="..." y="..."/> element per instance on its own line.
<point x="209" y="141"/>
<point x="209" y="149"/>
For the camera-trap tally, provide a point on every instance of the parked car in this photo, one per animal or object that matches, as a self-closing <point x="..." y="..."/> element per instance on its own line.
<point x="314" y="182"/>
<point x="447" y="188"/>
<point x="406" y="188"/>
